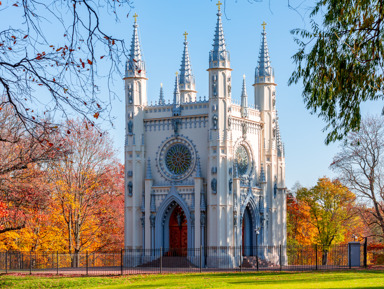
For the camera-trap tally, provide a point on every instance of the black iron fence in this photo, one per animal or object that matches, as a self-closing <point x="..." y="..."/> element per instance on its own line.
<point x="205" y="259"/>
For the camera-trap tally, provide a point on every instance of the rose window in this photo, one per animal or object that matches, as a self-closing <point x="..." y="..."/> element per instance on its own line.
<point x="178" y="159"/>
<point x="242" y="160"/>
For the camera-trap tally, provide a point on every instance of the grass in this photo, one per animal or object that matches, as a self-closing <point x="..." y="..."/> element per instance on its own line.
<point x="340" y="279"/>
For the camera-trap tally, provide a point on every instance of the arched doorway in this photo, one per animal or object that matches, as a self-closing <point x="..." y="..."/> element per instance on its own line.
<point x="178" y="232"/>
<point x="247" y="232"/>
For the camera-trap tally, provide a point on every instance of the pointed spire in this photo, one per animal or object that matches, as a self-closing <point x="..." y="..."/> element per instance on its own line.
<point x="148" y="174"/>
<point x="219" y="56"/>
<point x="135" y="63"/>
<point x="176" y="97"/>
<point x="264" y="64"/>
<point x="186" y="76"/>
<point x="244" y="99"/>
<point x="262" y="174"/>
<point x="161" y="97"/>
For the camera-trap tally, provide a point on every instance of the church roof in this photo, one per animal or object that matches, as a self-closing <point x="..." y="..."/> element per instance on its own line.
<point x="264" y="64"/>
<point x="186" y="75"/>
<point x="135" y="60"/>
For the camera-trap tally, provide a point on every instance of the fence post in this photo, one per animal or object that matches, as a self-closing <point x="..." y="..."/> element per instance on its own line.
<point x="161" y="260"/>
<point x="240" y="255"/>
<point x="122" y="261"/>
<point x="316" y="256"/>
<point x="365" y="252"/>
<point x="86" y="262"/>
<point x="257" y="256"/>
<point x="30" y="262"/>
<point x="280" y="257"/>
<point x="201" y="259"/>
<point x="57" y="262"/>
<point x="6" y="262"/>
<point x="349" y="256"/>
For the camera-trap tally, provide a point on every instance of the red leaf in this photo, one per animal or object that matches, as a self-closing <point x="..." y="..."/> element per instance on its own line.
<point x="101" y="57"/>
<point x="25" y="36"/>
<point x="83" y="64"/>
<point x="14" y="37"/>
<point x="68" y="132"/>
<point x="96" y="115"/>
<point x="90" y="62"/>
<point x="15" y="5"/>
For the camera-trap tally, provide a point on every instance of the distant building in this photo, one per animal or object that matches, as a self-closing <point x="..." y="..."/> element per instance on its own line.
<point x="203" y="172"/>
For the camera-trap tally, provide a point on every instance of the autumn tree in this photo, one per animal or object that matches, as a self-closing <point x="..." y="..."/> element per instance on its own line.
<point x="22" y="157"/>
<point x="360" y="164"/>
<point x="84" y="187"/>
<point x="340" y="61"/>
<point x="331" y="212"/>
<point x="56" y="72"/>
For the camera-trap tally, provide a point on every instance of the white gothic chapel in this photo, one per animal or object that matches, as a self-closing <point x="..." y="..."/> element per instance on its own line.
<point x="203" y="172"/>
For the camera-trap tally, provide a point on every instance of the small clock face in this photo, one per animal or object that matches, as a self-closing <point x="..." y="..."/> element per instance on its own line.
<point x="242" y="160"/>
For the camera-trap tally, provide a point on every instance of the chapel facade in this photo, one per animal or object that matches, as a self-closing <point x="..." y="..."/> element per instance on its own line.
<point x="203" y="172"/>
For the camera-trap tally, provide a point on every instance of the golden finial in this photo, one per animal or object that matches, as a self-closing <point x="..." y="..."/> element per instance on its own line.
<point x="177" y="73"/>
<point x="263" y="24"/>
<point x="185" y="35"/>
<point x="161" y="84"/>
<point x="135" y="16"/>
<point x="219" y="4"/>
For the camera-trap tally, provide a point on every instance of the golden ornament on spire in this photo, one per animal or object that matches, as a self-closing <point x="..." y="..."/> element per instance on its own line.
<point x="263" y="24"/>
<point x="135" y="16"/>
<point x="219" y="4"/>
<point x="185" y="35"/>
<point x="177" y="73"/>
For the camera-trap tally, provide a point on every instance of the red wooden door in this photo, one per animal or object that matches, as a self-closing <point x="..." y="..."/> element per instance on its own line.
<point x="178" y="233"/>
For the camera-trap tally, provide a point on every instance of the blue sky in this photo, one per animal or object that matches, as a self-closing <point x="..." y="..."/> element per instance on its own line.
<point x="162" y="24"/>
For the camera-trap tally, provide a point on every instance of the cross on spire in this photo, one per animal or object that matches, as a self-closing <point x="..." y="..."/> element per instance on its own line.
<point x="263" y="24"/>
<point x="219" y="4"/>
<point x="135" y="16"/>
<point x="185" y="35"/>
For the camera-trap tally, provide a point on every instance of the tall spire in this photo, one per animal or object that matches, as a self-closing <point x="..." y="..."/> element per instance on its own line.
<point x="176" y="97"/>
<point x="161" y="97"/>
<point x="263" y="68"/>
<point x="186" y="76"/>
<point x="244" y="100"/>
<point x="219" y="56"/>
<point x="135" y="63"/>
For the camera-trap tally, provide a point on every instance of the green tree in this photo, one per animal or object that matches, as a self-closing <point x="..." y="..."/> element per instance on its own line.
<point x="331" y="212"/>
<point x="341" y="61"/>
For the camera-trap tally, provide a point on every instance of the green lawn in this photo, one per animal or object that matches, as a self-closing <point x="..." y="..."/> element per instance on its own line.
<point x="339" y="279"/>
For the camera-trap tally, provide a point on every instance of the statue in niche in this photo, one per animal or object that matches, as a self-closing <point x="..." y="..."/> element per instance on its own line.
<point x="244" y="130"/>
<point x="142" y="219"/>
<point x="176" y="123"/>
<point x="130" y="127"/>
<point x="230" y="186"/>
<point x="229" y="122"/>
<point x="274" y="132"/>
<point x="275" y="190"/>
<point x="152" y="218"/>
<point x="214" y="185"/>
<point x="202" y="218"/>
<point x="229" y="88"/>
<point x="234" y="219"/>
<point x="130" y="189"/>
<point x="214" y="121"/>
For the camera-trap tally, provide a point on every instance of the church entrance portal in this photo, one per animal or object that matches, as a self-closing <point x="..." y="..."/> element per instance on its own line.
<point x="247" y="233"/>
<point x="178" y="232"/>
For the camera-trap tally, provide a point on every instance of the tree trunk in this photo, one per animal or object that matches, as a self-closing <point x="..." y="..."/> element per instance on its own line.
<point x="325" y="257"/>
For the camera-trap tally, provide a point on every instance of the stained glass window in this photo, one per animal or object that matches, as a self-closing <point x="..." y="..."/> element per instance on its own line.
<point x="178" y="159"/>
<point x="242" y="160"/>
